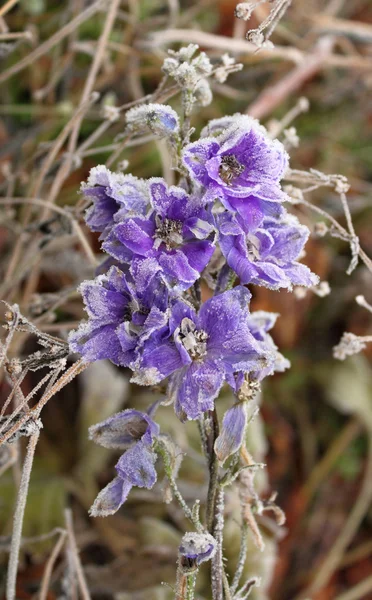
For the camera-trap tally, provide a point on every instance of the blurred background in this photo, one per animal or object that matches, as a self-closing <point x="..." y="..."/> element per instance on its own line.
<point x="315" y="427"/>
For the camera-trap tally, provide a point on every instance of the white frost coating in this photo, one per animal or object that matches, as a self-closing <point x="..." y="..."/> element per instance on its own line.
<point x="198" y="544"/>
<point x="161" y="119"/>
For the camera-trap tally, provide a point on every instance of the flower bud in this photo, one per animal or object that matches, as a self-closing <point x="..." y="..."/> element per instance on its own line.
<point x="160" y="119"/>
<point x="196" y="548"/>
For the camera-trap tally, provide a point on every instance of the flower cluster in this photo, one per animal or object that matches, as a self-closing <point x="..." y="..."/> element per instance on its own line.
<point x="144" y="308"/>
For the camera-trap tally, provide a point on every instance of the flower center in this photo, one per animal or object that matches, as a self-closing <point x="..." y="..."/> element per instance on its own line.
<point x="230" y="168"/>
<point x="193" y="340"/>
<point x="169" y="232"/>
<point x="253" y="247"/>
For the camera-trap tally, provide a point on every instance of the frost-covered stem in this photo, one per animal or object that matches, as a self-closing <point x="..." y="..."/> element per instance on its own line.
<point x="190" y="586"/>
<point x="212" y="435"/>
<point x="217" y="571"/>
<point x="189" y="514"/>
<point x="18" y="518"/>
<point x="241" y="559"/>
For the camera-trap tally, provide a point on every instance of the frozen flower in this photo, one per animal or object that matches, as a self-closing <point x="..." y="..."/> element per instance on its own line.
<point x="244" y="10"/>
<point x="195" y="549"/>
<point x="201" y="351"/>
<point x="203" y="93"/>
<point x="123" y="313"/>
<point x="260" y="323"/>
<point x="242" y="166"/>
<point x="160" y="119"/>
<point x="227" y="67"/>
<point x="186" y="70"/>
<point x="135" y="432"/>
<point x="348" y="345"/>
<point x="111" y="192"/>
<point x="232" y="432"/>
<point x="124" y="429"/>
<point x="178" y="235"/>
<point x="265" y="255"/>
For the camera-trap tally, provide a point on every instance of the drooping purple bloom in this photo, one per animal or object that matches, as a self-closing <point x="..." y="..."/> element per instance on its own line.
<point x="124" y="310"/>
<point x="196" y="548"/>
<point x="241" y="166"/>
<point x="265" y="255"/>
<point x="200" y="351"/>
<point x="232" y="432"/>
<point x="110" y="193"/>
<point x="124" y="429"/>
<point x="178" y="235"/>
<point x="135" y="432"/>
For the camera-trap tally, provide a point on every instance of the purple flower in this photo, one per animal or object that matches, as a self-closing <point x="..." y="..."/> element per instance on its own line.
<point x="134" y="432"/>
<point x="196" y="548"/>
<point x="242" y="167"/>
<point x="110" y="193"/>
<point x="200" y="351"/>
<point x="178" y="235"/>
<point x="124" y="310"/>
<point x="265" y="255"/>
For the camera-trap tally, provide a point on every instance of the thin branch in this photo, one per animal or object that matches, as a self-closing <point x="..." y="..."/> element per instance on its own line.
<point x="18" y="518"/>
<point x="50" y="564"/>
<point x="75" y="556"/>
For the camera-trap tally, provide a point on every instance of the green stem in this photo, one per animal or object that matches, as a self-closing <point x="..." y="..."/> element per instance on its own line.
<point x="213" y="471"/>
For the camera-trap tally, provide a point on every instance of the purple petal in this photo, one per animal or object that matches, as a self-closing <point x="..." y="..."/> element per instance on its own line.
<point x="222" y="314"/>
<point x="136" y="234"/>
<point x="110" y="499"/>
<point x="157" y="362"/>
<point x="123" y="429"/>
<point x="196" y="155"/>
<point x="102" y="303"/>
<point x="95" y="342"/>
<point x="177" y="269"/>
<point x="195" y="388"/>
<point x="198" y="254"/>
<point x="136" y="465"/>
<point x="232" y="432"/>
<point x="300" y="274"/>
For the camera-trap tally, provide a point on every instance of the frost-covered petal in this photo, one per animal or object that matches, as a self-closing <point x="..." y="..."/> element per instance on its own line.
<point x="136" y="234"/>
<point x="195" y="388"/>
<point x="167" y="201"/>
<point x="196" y="155"/>
<point x="123" y="429"/>
<point x="220" y="315"/>
<point x="198" y="254"/>
<point x="95" y="342"/>
<point x="102" y="303"/>
<point x="177" y="269"/>
<point x="136" y="465"/>
<point x="232" y="432"/>
<point x="111" y="498"/>
<point x="300" y="274"/>
<point x="112" y="192"/>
